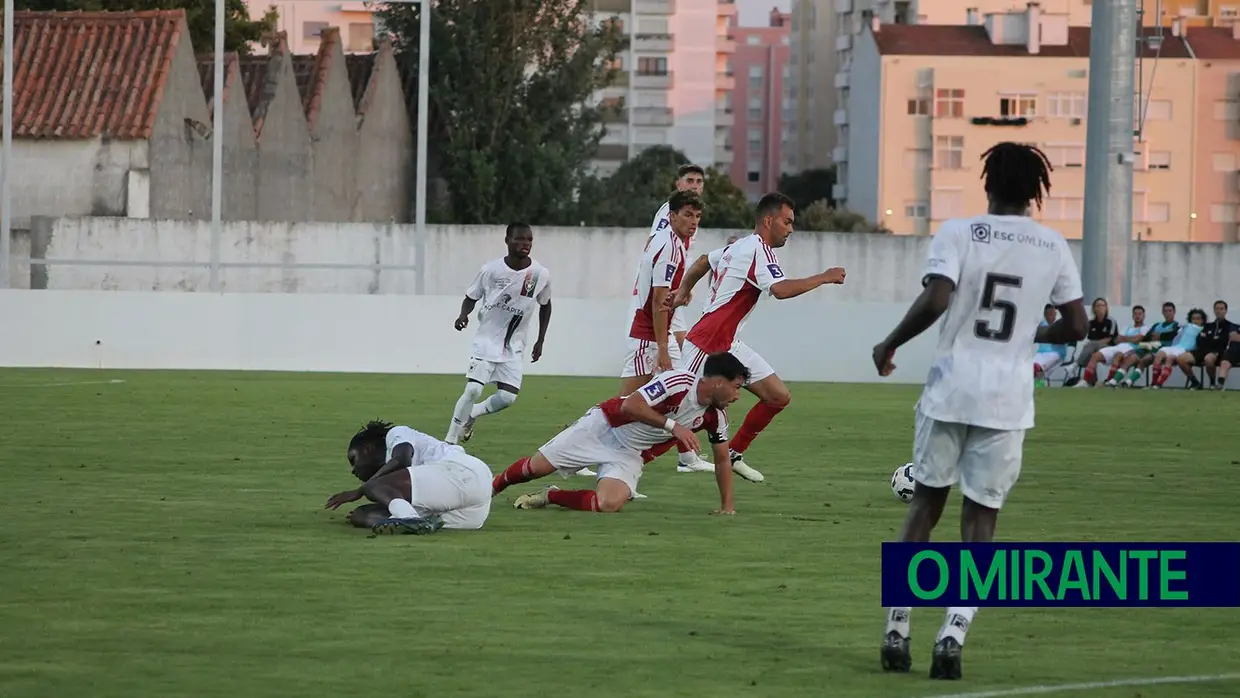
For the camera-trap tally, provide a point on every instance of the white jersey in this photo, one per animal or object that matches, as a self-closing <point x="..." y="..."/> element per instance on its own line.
<point x="509" y="299"/>
<point x="712" y="258"/>
<point x="662" y="266"/>
<point x="672" y="393"/>
<point x="746" y="270"/>
<point x="426" y="448"/>
<point x="1136" y="331"/>
<point x="1004" y="269"/>
<point x="662" y="220"/>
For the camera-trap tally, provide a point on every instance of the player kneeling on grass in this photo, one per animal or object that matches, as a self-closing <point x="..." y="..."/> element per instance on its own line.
<point x="613" y="435"/>
<point x="418" y="483"/>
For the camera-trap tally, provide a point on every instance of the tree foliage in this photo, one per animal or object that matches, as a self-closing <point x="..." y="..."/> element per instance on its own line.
<point x="821" y="217"/>
<point x="508" y="79"/>
<point x="239" y="29"/>
<point x="809" y="186"/>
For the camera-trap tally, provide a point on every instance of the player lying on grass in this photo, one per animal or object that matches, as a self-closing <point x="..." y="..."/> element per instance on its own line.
<point x="418" y="483"/>
<point x="614" y="434"/>
<point x="1180" y="353"/>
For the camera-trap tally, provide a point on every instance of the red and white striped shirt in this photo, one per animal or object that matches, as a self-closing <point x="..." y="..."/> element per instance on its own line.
<point x="662" y="266"/>
<point x="746" y="269"/>
<point x="671" y="393"/>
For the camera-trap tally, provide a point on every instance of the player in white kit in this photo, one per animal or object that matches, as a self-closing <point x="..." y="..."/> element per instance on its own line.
<point x="747" y="270"/>
<point x="691" y="178"/>
<point x="988" y="277"/>
<point x="419" y="484"/>
<point x="510" y="289"/>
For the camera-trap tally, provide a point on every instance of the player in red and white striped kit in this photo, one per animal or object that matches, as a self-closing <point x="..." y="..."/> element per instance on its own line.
<point x="613" y="436"/>
<point x="747" y="269"/>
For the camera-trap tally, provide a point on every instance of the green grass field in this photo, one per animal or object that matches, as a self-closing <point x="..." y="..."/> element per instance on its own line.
<point x="165" y="536"/>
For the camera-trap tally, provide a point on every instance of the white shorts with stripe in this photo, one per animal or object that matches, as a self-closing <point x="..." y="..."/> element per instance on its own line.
<point x="644" y="354"/>
<point x="678" y="321"/>
<point x="1111" y="353"/>
<point x="694" y="359"/>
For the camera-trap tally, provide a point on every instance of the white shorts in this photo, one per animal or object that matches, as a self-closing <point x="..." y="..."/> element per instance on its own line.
<point x="644" y="354"/>
<point x="1115" y="352"/>
<point x="694" y="359"/>
<point x="1173" y="352"/>
<point x="984" y="462"/>
<point x="1047" y="360"/>
<point x="678" y="322"/>
<point x="458" y="488"/>
<point x="589" y="442"/>
<point x="506" y="372"/>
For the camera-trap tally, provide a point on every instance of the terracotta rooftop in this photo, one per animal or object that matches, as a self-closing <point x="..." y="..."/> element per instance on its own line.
<point x="1213" y="43"/>
<point x="206" y="73"/>
<point x="963" y="40"/>
<point x="86" y="74"/>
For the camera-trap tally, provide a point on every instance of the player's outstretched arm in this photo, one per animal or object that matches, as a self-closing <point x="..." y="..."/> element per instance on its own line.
<point x="402" y="457"/>
<point x="791" y="288"/>
<point x="921" y="316"/>
<point x="699" y="269"/>
<point x="636" y="407"/>
<point x="723" y="477"/>
<point x="467" y="307"/>
<point x="1071" y="327"/>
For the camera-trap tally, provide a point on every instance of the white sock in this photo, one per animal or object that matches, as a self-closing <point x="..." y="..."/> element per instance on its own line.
<point x="500" y="399"/>
<point x="460" y="413"/>
<point x="957" y="623"/>
<point x="689" y="458"/>
<point x="898" y="620"/>
<point x="401" y="509"/>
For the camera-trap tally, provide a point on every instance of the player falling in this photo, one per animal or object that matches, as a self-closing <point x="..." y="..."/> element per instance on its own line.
<point x="614" y="434"/>
<point x="652" y="348"/>
<point x="747" y="269"/>
<point x="510" y="288"/>
<point x="989" y="278"/>
<point x="418" y="483"/>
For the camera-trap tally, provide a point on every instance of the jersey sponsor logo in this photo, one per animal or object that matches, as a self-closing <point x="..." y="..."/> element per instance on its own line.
<point x="671" y="272"/>
<point x="663" y="223"/>
<point x="655" y="391"/>
<point x="776" y="272"/>
<point x="980" y="232"/>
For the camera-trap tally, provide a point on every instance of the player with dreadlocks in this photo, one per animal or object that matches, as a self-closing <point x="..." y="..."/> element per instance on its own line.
<point x="418" y="483"/>
<point x="988" y="277"/>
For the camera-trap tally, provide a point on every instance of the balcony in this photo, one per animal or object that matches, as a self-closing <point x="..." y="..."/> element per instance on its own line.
<point x="725" y="80"/>
<point x="616" y="116"/>
<point x="723" y="154"/>
<point x="653" y="42"/>
<point x="653" y="81"/>
<point x="843" y="42"/>
<point x="841" y="117"/>
<point x="724" y="117"/>
<point x="612" y="6"/>
<point x="654" y="7"/>
<point x="843" y="7"/>
<point x="652" y="116"/>
<point x="725" y="43"/>
<point x="612" y="152"/>
<point x="841" y="79"/>
<point x="726" y="8"/>
<point x="839" y="154"/>
<point x="621" y="80"/>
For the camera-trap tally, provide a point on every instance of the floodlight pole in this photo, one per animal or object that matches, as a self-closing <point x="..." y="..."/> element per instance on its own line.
<point x="217" y="149"/>
<point x="6" y="211"/>
<point x="424" y="71"/>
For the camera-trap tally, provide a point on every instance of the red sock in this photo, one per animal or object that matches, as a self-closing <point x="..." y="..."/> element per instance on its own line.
<point x="1114" y="370"/>
<point x="760" y="415"/>
<point x="581" y="500"/>
<point x="516" y="474"/>
<point x="1163" y="374"/>
<point x="652" y="453"/>
<point x="1090" y="376"/>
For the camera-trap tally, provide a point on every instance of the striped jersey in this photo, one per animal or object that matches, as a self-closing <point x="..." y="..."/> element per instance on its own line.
<point x="662" y="266"/>
<point x="746" y="269"/>
<point x="672" y="393"/>
<point x="509" y="300"/>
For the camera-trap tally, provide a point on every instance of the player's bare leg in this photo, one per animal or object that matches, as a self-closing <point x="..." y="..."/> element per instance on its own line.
<point x="773" y="396"/>
<point x="367" y="515"/>
<point x="608" y="497"/>
<point x="977" y="525"/>
<point x="923" y="515"/>
<point x="1211" y="364"/>
<point x="1224" y="367"/>
<point x="1186" y="361"/>
<point x="394" y="491"/>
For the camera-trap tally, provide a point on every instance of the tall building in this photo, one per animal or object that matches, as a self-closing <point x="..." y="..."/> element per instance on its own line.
<point x="303" y="22"/>
<point x="672" y="75"/>
<point x="760" y="63"/>
<point x="928" y="100"/>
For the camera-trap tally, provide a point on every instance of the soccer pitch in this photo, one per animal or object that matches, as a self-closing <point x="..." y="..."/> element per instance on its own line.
<point x="166" y="536"/>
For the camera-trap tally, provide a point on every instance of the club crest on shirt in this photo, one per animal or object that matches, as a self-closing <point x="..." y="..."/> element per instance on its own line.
<point x="776" y="272"/>
<point x="654" y="390"/>
<point x="697" y="422"/>
<point x="663" y="223"/>
<point x="980" y="232"/>
<point x="531" y="281"/>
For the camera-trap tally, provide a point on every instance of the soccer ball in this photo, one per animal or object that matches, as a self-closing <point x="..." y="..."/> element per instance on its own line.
<point x="902" y="483"/>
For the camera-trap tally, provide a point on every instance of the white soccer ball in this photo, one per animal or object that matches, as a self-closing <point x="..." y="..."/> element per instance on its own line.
<point x="902" y="483"/>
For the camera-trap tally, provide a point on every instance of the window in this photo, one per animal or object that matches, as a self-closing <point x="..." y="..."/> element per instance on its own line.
<point x="753" y="40"/>
<point x="948" y="152"/>
<point x="755" y="141"/>
<point x="1138" y="206"/>
<point x="916" y="209"/>
<point x="949" y="104"/>
<point x="312" y="30"/>
<point x="784" y="39"/>
<point x="755" y="108"/>
<point x="1066" y="154"/>
<point x="1223" y="213"/>
<point x="650" y="136"/>
<point x="753" y="176"/>
<point x="1158" y="160"/>
<point x="755" y="71"/>
<point x="1226" y="110"/>
<point x="919" y="107"/>
<point x="361" y="36"/>
<point x="1224" y="162"/>
<point x="946" y="203"/>
<point x="1157" y="212"/>
<point x="1017" y="106"/>
<point x="916" y="160"/>
<point x="1158" y="110"/>
<point x="652" y="66"/>
<point x="1066" y="105"/>
<point x="1063" y="208"/>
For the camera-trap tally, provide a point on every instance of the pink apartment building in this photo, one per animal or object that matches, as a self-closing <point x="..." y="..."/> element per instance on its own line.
<point x="757" y="104"/>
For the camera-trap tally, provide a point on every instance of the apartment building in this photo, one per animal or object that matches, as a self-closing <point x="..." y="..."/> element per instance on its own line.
<point x="928" y="100"/>
<point x="305" y="21"/>
<point x="760" y="64"/>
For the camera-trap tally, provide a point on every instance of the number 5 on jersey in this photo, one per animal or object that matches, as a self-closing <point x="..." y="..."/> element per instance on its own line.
<point x="1007" y="321"/>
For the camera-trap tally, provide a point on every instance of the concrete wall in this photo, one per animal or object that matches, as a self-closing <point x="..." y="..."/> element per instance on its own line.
<point x="89" y="177"/>
<point x="584" y="262"/>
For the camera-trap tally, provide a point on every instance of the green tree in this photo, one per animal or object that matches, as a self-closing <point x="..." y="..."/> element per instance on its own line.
<point x="508" y="79"/>
<point x="239" y="29"/>
<point x="809" y="186"/>
<point x="726" y="205"/>
<point x="819" y="216"/>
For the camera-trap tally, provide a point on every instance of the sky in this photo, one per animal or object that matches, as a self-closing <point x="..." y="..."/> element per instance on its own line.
<point x="754" y="13"/>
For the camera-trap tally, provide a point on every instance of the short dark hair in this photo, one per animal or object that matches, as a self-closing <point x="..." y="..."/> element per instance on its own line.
<point x="690" y="169"/>
<point x="1016" y="173"/>
<point x="1138" y="307"/>
<point x="725" y="365"/>
<point x="1047" y="307"/>
<point x="1168" y="304"/>
<point x="684" y="198"/>
<point x="1099" y="298"/>
<point x="1197" y="311"/>
<point x="375" y="430"/>
<point x="770" y="204"/>
<point x="1221" y="301"/>
<point x="514" y="227"/>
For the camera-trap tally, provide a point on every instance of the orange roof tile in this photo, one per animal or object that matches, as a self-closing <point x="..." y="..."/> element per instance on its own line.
<point x="86" y="74"/>
<point x="966" y="40"/>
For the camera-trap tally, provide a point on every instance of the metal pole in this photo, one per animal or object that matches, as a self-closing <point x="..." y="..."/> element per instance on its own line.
<point x="424" y="71"/>
<point x="631" y="93"/>
<point x="217" y="149"/>
<point x="6" y="212"/>
<point x="1107" y="230"/>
